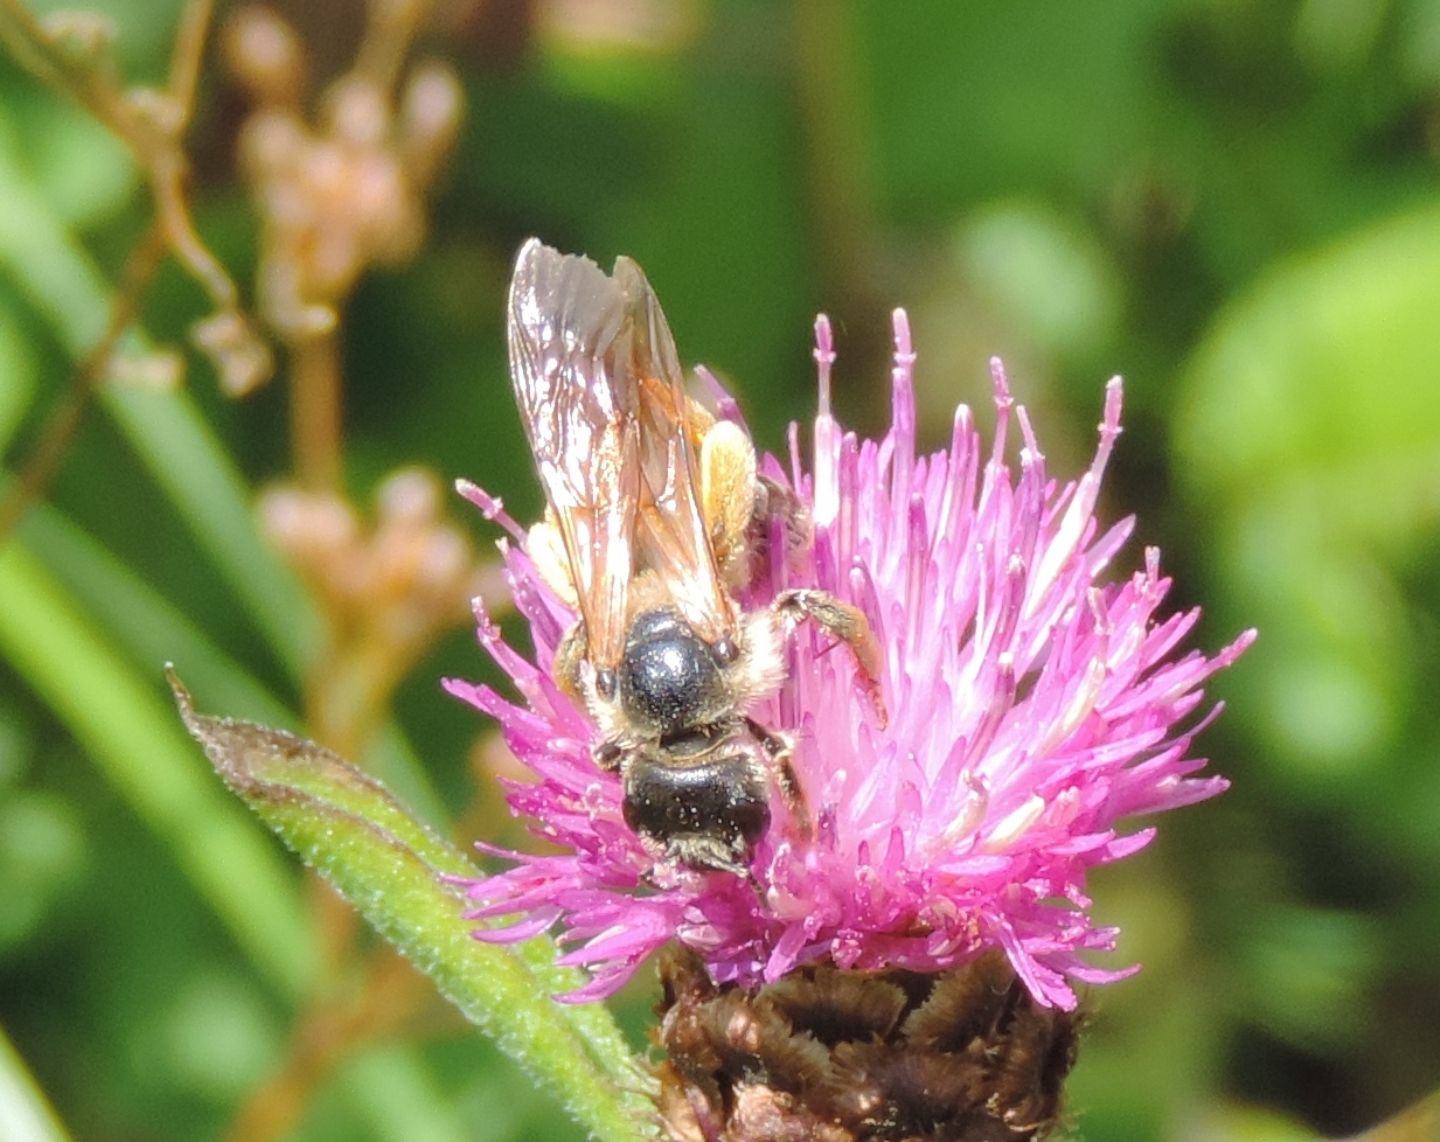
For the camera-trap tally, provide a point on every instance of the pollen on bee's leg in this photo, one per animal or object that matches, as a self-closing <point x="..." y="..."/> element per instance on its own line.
<point x="608" y="756"/>
<point x="569" y="655"/>
<point x="546" y="549"/>
<point x="795" y="800"/>
<point x="727" y="491"/>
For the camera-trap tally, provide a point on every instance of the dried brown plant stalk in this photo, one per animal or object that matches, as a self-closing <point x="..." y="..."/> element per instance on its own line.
<point x="388" y="999"/>
<point x="335" y="195"/>
<point x="69" y="412"/>
<point x="71" y="52"/>
<point x="338" y="190"/>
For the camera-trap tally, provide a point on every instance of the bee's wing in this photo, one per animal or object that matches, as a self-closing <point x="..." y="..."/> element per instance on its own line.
<point x="570" y="361"/>
<point x="601" y="394"/>
<point x="671" y="532"/>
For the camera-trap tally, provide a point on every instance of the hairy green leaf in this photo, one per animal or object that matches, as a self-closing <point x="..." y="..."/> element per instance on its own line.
<point x="397" y="872"/>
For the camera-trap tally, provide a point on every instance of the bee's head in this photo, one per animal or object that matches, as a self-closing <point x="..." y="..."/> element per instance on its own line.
<point x="669" y="680"/>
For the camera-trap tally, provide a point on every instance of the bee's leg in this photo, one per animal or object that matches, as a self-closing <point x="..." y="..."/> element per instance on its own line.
<point x="570" y="655"/>
<point x="608" y="755"/>
<point x="845" y="622"/>
<point x="772" y="501"/>
<point x="565" y="667"/>
<point x="779" y="750"/>
<point x="728" y="495"/>
<point x="547" y="551"/>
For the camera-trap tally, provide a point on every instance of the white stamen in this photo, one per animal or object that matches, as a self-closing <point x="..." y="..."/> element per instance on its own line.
<point x="1080" y="706"/>
<point x="1014" y="826"/>
<point x="971" y="814"/>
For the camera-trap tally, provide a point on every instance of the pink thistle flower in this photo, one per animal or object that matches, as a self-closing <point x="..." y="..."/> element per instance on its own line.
<point x="1033" y="706"/>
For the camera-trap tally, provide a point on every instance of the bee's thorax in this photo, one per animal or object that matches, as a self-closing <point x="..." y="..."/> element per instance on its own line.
<point x="670" y="680"/>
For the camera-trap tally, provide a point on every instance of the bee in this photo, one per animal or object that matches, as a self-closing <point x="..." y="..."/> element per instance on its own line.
<point x="653" y="510"/>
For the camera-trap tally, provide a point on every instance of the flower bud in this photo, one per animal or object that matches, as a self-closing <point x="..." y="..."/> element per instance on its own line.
<point x="262" y="51"/>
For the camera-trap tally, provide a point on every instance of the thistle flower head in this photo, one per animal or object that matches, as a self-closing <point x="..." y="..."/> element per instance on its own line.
<point x="1036" y="700"/>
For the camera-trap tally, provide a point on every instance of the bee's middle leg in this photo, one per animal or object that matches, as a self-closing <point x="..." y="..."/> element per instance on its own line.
<point x="566" y="669"/>
<point x="779" y="752"/>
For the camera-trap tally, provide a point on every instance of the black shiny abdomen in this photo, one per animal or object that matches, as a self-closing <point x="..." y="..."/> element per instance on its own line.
<point x="719" y="796"/>
<point x="668" y="676"/>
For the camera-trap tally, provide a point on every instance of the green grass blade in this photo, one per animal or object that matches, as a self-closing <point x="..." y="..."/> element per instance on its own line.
<point x="124" y="724"/>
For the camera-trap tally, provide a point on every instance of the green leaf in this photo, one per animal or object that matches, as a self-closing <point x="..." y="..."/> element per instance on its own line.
<point x="1326" y="370"/>
<point x="149" y="628"/>
<point x="87" y="174"/>
<point x="1307" y="430"/>
<point x="395" y="870"/>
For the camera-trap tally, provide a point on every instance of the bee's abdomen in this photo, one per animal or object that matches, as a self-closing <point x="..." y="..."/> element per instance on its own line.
<point x="720" y="797"/>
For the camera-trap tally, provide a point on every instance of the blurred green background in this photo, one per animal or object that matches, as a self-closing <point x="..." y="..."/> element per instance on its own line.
<point x="1237" y="206"/>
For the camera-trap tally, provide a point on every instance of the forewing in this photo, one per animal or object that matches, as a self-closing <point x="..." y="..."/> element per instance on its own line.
<point x="571" y="364"/>
<point x="672" y="536"/>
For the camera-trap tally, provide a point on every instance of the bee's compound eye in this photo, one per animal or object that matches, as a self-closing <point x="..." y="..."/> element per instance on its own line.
<point x="606" y="684"/>
<point x="725" y="650"/>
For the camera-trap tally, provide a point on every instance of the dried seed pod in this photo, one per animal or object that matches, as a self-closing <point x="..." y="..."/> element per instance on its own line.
<point x="965" y="1055"/>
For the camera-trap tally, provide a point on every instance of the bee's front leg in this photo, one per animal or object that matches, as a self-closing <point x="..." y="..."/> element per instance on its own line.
<point x="846" y="622"/>
<point x="608" y="755"/>
<point x="569" y="657"/>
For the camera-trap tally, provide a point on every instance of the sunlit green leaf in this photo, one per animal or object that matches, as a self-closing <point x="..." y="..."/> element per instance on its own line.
<point x="1310" y="433"/>
<point x="25" y="1116"/>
